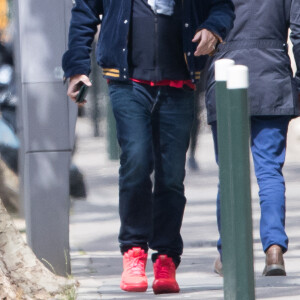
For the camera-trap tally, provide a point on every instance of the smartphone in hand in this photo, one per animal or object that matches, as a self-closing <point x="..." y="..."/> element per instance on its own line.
<point x="82" y="93"/>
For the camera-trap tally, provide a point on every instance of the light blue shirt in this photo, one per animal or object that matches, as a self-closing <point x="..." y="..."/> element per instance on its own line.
<point x="165" y="7"/>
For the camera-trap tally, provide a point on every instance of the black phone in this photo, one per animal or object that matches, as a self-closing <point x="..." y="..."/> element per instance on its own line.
<point x="82" y="93"/>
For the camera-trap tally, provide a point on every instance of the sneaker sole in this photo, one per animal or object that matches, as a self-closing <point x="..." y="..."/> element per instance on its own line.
<point x="133" y="288"/>
<point x="165" y="289"/>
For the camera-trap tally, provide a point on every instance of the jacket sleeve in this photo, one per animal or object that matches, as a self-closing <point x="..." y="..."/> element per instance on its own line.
<point x="83" y="27"/>
<point x="220" y="17"/>
<point x="295" y="36"/>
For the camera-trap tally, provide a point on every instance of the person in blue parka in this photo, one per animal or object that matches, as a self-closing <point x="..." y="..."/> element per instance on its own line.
<point x="259" y="41"/>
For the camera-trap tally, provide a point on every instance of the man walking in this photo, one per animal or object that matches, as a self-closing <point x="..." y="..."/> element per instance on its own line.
<point x="147" y="51"/>
<point x="259" y="41"/>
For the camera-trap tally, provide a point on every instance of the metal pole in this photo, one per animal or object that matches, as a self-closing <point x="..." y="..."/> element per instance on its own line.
<point x="236" y="213"/>
<point x="223" y="134"/>
<point x="95" y="110"/>
<point x="112" y="142"/>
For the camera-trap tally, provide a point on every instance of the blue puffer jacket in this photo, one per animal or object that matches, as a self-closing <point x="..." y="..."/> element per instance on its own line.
<point x="112" y="51"/>
<point x="259" y="41"/>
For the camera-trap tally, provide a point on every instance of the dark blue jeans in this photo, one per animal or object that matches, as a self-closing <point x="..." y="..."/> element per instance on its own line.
<point x="268" y="147"/>
<point x="153" y="127"/>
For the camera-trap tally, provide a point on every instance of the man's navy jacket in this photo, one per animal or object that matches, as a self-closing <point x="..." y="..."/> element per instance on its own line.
<point x="214" y="15"/>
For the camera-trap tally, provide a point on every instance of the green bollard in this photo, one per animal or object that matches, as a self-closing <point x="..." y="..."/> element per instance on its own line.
<point x="95" y="91"/>
<point x="113" y="146"/>
<point x="234" y="166"/>
<point x="224" y="152"/>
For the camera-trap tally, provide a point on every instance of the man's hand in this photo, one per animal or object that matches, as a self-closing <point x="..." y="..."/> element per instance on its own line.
<point x="74" y="86"/>
<point x="207" y="42"/>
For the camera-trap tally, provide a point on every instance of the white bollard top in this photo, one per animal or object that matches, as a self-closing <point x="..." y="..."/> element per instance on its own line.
<point x="238" y="77"/>
<point x="221" y="68"/>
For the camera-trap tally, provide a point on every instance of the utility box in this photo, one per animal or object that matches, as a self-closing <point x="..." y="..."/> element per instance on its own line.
<point x="46" y="123"/>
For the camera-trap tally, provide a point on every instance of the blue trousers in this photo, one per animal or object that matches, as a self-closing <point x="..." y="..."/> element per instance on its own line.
<point x="153" y="128"/>
<point x="268" y="147"/>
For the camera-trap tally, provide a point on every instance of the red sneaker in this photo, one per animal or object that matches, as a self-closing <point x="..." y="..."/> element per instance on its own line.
<point x="164" y="274"/>
<point x="133" y="277"/>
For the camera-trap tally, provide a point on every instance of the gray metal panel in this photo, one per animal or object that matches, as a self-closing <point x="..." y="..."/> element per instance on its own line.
<point x="47" y="207"/>
<point x="46" y="117"/>
<point x="42" y="39"/>
<point x="46" y="125"/>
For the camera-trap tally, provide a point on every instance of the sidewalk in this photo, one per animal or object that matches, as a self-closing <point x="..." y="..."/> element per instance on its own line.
<point x="97" y="263"/>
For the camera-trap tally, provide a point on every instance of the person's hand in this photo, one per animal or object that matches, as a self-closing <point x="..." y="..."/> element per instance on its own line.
<point x="74" y="85"/>
<point x="207" y="42"/>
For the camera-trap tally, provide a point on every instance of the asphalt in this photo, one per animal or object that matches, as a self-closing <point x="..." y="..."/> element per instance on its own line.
<point x="94" y="224"/>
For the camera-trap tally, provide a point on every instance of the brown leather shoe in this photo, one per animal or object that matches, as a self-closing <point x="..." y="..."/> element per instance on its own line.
<point x="218" y="266"/>
<point x="274" y="262"/>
